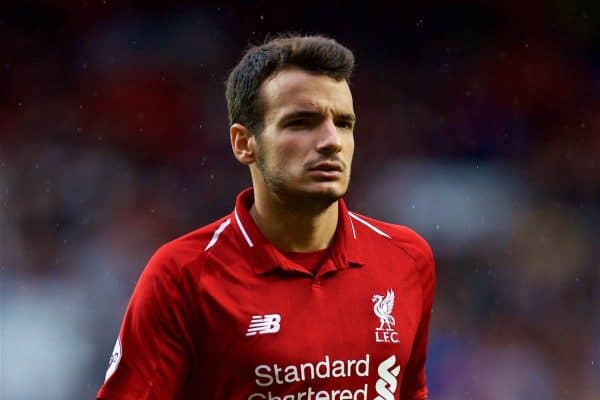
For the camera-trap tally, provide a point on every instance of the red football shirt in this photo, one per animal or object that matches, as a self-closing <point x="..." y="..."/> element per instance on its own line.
<point x="220" y="314"/>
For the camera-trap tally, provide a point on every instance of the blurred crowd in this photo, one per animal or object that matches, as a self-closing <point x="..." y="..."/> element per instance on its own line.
<point x="478" y="126"/>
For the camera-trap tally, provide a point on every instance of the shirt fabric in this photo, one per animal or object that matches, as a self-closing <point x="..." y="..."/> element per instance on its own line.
<point x="220" y="313"/>
<point x="309" y="260"/>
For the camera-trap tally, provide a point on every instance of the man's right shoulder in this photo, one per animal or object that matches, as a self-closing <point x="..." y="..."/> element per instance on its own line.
<point x="193" y="247"/>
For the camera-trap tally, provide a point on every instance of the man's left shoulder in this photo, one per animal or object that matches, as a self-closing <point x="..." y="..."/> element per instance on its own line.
<point x="401" y="236"/>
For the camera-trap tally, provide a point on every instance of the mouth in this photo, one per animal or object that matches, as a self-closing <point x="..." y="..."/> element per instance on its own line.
<point x="327" y="171"/>
<point x="327" y="166"/>
<point x="326" y="176"/>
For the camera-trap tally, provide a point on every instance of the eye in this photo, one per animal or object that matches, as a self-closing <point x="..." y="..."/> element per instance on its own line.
<point x="345" y="124"/>
<point x="296" y="122"/>
<point x="300" y="123"/>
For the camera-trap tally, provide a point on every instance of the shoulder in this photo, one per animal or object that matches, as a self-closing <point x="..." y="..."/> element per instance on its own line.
<point x="190" y="249"/>
<point x="409" y="242"/>
<point x="401" y="236"/>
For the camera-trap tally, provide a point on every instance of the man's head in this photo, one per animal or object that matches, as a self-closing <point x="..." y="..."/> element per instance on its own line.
<point x="292" y="117"/>
<point x="314" y="54"/>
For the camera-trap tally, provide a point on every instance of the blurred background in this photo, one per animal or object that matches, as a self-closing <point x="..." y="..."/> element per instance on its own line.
<point x="478" y="126"/>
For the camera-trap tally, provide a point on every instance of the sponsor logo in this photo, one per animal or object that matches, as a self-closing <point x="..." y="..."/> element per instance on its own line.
<point x="113" y="362"/>
<point x="262" y="324"/>
<point x="267" y="375"/>
<point x="277" y="381"/>
<point x="382" y="307"/>
<point x="273" y="378"/>
<point x="388" y="379"/>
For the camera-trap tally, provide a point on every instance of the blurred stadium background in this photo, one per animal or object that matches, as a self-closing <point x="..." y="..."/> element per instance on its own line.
<point x="478" y="126"/>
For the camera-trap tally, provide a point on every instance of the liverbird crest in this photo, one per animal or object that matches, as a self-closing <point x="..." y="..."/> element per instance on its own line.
<point x="383" y="309"/>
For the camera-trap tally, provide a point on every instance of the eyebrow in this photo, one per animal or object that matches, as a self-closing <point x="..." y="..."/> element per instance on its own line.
<point x="312" y="114"/>
<point x="347" y="117"/>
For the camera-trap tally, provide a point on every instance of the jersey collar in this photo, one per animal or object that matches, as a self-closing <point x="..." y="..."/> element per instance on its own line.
<point x="264" y="257"/>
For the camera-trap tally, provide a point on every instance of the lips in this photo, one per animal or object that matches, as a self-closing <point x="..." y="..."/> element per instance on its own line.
<point x="328" y="166"/>
<point x="327" y="171"/>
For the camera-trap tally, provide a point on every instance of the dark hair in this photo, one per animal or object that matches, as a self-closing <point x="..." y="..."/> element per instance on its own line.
<point x="315" y="54"/>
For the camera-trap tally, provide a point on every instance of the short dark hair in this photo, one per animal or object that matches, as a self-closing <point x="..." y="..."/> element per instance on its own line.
<point x="315" y="54"/>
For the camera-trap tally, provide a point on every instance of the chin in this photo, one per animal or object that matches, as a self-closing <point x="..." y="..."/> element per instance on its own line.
<point x="327" y="192"/>
<point x="313" y="194"/>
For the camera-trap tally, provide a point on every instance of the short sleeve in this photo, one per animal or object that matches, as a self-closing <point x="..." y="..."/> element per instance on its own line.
<point x="414" y="384"/>
<point x="155" y="347"/>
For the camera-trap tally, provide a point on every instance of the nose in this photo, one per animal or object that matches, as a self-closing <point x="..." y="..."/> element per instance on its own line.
<point x="330" y="141"/>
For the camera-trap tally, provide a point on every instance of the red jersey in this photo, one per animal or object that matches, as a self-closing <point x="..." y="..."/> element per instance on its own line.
<point x="220" y="314"/>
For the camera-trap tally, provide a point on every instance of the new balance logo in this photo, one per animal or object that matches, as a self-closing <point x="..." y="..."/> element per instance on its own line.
<point x="261" y="324"/>
<point x="388" y="379"/>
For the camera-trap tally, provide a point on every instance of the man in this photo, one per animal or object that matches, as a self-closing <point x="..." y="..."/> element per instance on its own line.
<point x="290" y="296"/>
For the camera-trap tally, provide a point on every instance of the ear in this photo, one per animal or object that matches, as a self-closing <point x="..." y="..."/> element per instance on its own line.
<point x="243" y="144"/>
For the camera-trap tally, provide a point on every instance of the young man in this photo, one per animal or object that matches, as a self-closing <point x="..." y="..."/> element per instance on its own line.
<point x="290" y="296"/>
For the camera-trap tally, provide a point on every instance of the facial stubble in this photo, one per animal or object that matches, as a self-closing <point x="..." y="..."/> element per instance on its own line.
<point x="277" y="183"/>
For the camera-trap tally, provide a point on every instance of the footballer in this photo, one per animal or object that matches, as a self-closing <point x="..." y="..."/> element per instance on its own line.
<point x="291" y="296"/>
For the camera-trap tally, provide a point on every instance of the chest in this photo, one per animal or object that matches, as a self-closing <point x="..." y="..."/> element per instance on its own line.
<point x="286" y="330"/>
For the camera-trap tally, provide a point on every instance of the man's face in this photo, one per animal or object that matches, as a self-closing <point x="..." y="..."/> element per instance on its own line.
<point x="305" y="149"/>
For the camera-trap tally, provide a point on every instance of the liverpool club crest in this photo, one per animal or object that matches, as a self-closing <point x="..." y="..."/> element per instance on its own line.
<point x="382" y="308"/>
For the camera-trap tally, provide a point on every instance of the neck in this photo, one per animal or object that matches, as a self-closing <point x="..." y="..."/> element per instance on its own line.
<point x="294" y="225"/>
